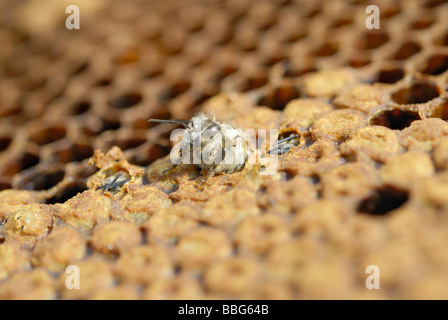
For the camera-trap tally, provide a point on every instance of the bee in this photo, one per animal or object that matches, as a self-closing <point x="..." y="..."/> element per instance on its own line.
<point x="214" y="147"/>
<point x="217" y="147"/>
<point x="281" y="147"/>
<point x="114" y="183"/>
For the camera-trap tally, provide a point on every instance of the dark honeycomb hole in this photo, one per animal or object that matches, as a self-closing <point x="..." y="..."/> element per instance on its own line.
<point x="103" y="82"/>
<point x="81" y="108"/>
<point x="419" y="92"/>
<point x="442" y="41"/>
<point x="224" y="72"/>
<point x="110" y="125"/>
<point x="279" y="97"/>
<point x="74" y="153"/>
<point x="5" y="185"/>
<point x="125" y="101"/>
<point x="373" y="40"/>
<point x="126" y="144"/>
<point x="36" y="179"/>
<point x="389" y="13"/>
<point x="327" y="49"/>
<point x="28" y="160"/>
<point x="48" y="135"/>
<point x="273" y="59"/>
<point x="253" y="83"/>
<point x="383" y="201"/>
<point x="314" y="12"/>
<point x="78" y="69"/>
<point x="175" y="90"/>
<point x="390" y="76"/>
<point x="286" y="175"/>
<point x="154" y="70"/>
<point x="358" y="63"/>
<point x="25" y="161"/>
<point x="155" y="152"/>
<point x="295" y="36"/>
<point x="293" y="73"/>
<point x="5" y="142"/>
<point x="407" y="50"/>
<point x="67" y="193"/>
<point x="422" y="24"/>
<point x="395" y="119"/>
<point x="342" y="23"/>
<point x="436" y="64"/>
<point x="434" y="3"/>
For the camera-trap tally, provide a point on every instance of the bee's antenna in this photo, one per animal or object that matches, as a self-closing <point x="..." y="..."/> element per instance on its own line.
<point x="181" y="122"/>
<point x="286" y="139"/>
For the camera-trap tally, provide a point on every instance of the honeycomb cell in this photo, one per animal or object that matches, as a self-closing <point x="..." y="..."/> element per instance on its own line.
<point x="403" y="169"/>
<point x="407" y="50"/>
<point x="436" y="64"/>
<point x="13" y="259"/>
<point x="337" y="125"/>
<point x="349" y="180"/>
<point x="115" y="237"/>
<point x="62" y="247"/>
<point x="374" y="142"/>
<point x="395" y="119"/>
<point x="342" y="22"/>
<point x="5" y="142"/>
<point x="259" y="234"/>
<point x="254" y="82"/>
<point x="28" y="224"/>
<point x="327" y="49"/>
<point x="373" y="40"/>
<point x="39" y="178"/>
<point x="35" y="284"/>
<point x="383" y="201"/>
<point x="85" y="210"/>
<point x="80" y="107"/>
<point x="233" y="276"/>
<point x="144" y="264"/>
<point x="125" y="101"/>
<point x="181" y="287"/>
<point x="48" y="135"/>
<point x="22" y="162"/>
<point x="279" y="97"/>
<point x="202" y="247"/>
<point x="390" y="76"/>
<point x="168" y="227"/>
<point x="418" y="92"/>
<point x="72" y="153"/>
<point x="422" y="23"/>
<point x="358" y="63"/>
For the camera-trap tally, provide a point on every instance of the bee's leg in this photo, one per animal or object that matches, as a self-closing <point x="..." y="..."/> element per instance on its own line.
<point x="206" y="174"/>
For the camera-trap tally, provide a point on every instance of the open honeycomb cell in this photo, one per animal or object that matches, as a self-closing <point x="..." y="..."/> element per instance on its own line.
<point x="85" y="180"/>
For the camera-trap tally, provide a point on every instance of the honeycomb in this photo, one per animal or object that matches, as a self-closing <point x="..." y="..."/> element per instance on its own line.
<point x="85" y="180"/>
